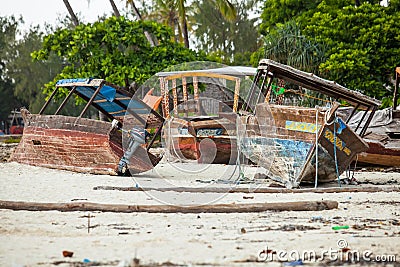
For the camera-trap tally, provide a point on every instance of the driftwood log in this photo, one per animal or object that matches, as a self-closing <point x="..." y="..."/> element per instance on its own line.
<point x="369" y="189"/>
<point x="215" y="208"/>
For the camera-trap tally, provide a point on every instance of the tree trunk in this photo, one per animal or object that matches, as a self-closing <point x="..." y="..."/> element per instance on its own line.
<point x="115" y="9"/>
<point x="185" y="32"/>
<point x="71" y="13"/>
<point x="146" y="33"/>
<point x="214" y="208"/>
<point x="260" y="190"/>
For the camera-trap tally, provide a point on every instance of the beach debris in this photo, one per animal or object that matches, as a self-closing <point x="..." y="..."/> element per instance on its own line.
<point x="345" y="249"/>
<point x="86" y="260"/>
<point x="67" y="253"/>
<point x="293" y="263"/>
<point x="317" y="218"/>
<point x="88" y="223"/>
<point x="124" y="263"/>
<point x="260" y="176"/>
<point x="340" y="227"/>
<point x="272" y="188"/>
<point x="212" y="208"/>
<point x="243" y="230"/>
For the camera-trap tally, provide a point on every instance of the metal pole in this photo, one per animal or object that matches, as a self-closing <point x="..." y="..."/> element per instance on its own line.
<point x="48" y="101"/>
<point x="362" y="119"/>
<point x="362" y="133"/>
<point x="251" y="92"/>
<point x="90" y="102"/>
<point x="65" y="100"/>
<point x="352" y="113"/>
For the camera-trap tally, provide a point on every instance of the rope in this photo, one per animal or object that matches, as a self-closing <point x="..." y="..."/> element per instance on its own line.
<point x="316" y="147"/>
<point x="334" y="149"/>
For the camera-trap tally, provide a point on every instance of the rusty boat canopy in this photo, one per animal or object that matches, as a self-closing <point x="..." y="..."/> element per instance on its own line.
<point x="315" y="83"/>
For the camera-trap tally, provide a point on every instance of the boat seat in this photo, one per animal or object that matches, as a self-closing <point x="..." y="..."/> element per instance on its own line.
<point x="151" y="100"/>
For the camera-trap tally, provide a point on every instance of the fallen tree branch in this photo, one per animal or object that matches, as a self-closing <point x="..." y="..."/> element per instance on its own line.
<point x="216" y="208"/>
<point x="369" y="189"/>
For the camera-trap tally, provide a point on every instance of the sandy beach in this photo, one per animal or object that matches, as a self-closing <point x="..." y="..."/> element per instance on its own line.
<point x="38" y="238"/>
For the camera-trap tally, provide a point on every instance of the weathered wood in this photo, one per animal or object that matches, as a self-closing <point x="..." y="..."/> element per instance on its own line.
<point x="380" y="159"/>
<point x="89" y="102"/>
<point x="396" y="88"/>
<point x="53" y="141"/>
<point x="48" y="101"/>
<point x="65" y="100"/>
<point x="216" y="208"/>
<point x="370" y="189"/>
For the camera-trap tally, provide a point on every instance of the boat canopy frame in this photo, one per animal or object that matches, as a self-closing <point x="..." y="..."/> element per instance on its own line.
<point x="232" y="73"/>
<point x="108" y="98"/>
<point x="269" y="69"/>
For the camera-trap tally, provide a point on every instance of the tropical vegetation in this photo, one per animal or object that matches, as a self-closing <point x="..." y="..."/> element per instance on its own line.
<point x="354" y="42"/>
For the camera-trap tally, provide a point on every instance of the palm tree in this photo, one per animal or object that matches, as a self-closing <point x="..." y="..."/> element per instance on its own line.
<point x="225" y="7"/>
<point x="174" y="13"/>
<point x="288" y="46"/>
<point x="139" y="16"/>
<point x="71" y="13"/>
<point x="165" y="12"/>
<point x="115" y="9"/>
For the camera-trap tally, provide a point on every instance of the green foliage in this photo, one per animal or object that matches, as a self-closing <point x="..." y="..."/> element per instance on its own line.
<point x="12" y="140"/>
<point x="277" y="12"/>
<point x="226" y="41"/>
<point x="21" y="79"/>
<point x="115" y="49"/>
<point x="8" y="31"/>
<point x="358" y="46"/>
<point x="287" y="45"/>
<point x="364" y="46"/>
<point x="30" y="76"/>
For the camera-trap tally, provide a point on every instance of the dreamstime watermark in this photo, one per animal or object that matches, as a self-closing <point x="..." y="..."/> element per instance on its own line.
<point x="342" y="254"/>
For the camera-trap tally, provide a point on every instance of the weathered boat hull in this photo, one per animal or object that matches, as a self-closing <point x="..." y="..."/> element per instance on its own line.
<point x="83" y="145"/>
<point x="207" y="141"/>
<point x="282" y="140"/>
<point x="333" y="158"/>
<point x="379" y="154"/>
<point x="287" y="148"/>
<point x="383" y="141"/>
<point x="216" y="150"/>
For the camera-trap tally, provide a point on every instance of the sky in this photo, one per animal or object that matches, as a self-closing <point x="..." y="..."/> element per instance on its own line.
<point x="39" y="12"/>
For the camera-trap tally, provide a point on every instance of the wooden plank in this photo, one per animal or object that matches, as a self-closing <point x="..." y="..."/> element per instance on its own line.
<point x="89" y="102"/>
<point x="379" y="159"/>
<point x="48" y="101"/>
<point x="65" y="100"/>
<point x="263" y="190"/>
<point x="215" y="208"/>
<point x="201" y="74"/>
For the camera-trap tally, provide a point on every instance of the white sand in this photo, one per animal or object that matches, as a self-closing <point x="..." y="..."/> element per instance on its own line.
<point x="38" y="238"/>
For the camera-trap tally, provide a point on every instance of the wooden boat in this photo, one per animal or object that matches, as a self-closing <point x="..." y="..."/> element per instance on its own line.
<point x="302" y="144"/>
<point x="383" y="135"/>
<point x="283" y="139"/>
<point x="83" y="144"/>
<point x="202" y="128"/>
